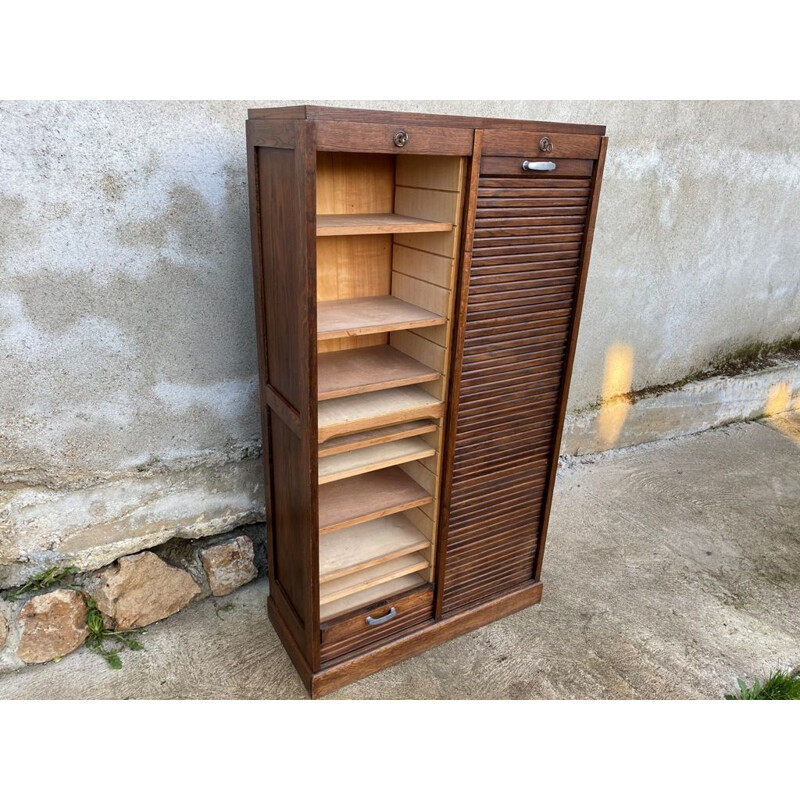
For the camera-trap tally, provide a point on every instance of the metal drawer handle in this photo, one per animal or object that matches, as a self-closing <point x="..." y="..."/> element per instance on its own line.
<point x="390" y="614"/>
<point x="539" y="166"/>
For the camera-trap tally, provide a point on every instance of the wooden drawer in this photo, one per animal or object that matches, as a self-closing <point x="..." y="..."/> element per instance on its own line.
<point x="345" y="634"/>
<point x="367" y="138"/>
<point x="540" y="144"/>
<point x="511" y="166"/>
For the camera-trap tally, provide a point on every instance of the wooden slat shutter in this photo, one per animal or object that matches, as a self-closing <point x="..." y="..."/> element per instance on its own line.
<point x="525" y="286"/>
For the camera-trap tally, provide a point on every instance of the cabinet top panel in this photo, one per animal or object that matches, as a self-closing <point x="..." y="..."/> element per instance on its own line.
<point x="332" y="113"/>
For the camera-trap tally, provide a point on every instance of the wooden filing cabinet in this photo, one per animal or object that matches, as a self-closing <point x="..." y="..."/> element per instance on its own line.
<point x="418" y="285"/>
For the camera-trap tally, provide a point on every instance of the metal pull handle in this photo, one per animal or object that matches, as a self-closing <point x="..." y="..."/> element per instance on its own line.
<point x="390" y="614"/>
<point x="539" y="166"/>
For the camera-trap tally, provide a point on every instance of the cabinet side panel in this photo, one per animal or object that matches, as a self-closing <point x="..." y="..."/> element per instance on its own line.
<point x="283" y="258"/>
<point x="284" y="280"/>
<point x="529" y="256"/>
<point x="291" y="514"/>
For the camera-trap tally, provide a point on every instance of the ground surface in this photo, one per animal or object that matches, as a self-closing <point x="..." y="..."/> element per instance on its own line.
<point x="671" y="570"/>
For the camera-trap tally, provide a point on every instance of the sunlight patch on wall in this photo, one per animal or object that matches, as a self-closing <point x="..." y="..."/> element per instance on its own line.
<point x="779" y="399"/>
<point x="617" y="382"/>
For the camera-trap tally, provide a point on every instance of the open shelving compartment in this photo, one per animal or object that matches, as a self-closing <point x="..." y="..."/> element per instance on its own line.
<point x="388" y="235"/>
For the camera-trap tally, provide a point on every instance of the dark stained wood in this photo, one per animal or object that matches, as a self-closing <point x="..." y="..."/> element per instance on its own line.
<point x="573" y="341"/>
<point x="264" y="133"/>
<point x="502" y="480"/>
<point x="370" y="138"/>
<point x="525" y="246"/>
<point x="311" y="112"/>
<point x="283" y="409"/>
<point x="457" y="354"/>
<point x="525" y="144"/>
<point x="351" y="633"/>
<point x="512" y="166"/>
<point x="283" y="263"/>
<point x="417" y="641"/>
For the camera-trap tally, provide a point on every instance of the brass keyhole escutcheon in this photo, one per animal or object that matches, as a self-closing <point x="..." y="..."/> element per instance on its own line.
<point x="545" y="145"/>
<point x="401" y="139"/>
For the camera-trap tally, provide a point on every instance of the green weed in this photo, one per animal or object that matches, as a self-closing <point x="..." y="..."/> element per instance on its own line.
<point x="100" y="636"/>
<point x="779" y="686"/>
<point x="44" y="580"/>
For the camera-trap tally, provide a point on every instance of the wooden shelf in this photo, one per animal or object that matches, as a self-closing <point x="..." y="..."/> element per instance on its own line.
<point x="366" y="545"/>
<point x="391" y="433"/>
<point x="346" y="415"/>
<point x="368" y="369"/>
<point x="357" y="462"/>
<point x="364" y="597"/>
<point x="361" y="224"/>
<point x="365" y="497"/>
<point x="359" y="316"/>
<point x="374" y="576"/>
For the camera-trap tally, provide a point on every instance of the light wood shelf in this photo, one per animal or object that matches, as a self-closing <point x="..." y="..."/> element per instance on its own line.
<point x="346" y="415"/>
<point x="364" y="597"/>
<point x="369" y="496"/>
<point x="360" y="316"/>
<point x="363" y="224"/>
<point x="368" y="459"/>
<point x="391" y="433"/>
<point x="373" y="576"/>
<point x="366" y="545"/>
<point x="368" y="369"/>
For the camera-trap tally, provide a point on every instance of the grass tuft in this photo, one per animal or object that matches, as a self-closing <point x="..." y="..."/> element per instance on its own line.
<point x="780" y="685"/>
<point x="100" y="636"/>
<point x="43" y="580"/>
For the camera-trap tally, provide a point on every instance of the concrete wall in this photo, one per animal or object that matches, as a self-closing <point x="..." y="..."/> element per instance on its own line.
<point x="127" y="363"/>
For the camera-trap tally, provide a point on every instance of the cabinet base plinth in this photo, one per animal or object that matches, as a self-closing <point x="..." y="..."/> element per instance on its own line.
<point x="331" y="678"/>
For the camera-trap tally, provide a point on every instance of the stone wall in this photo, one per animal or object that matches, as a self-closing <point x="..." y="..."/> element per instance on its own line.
<point x="128" y="378"/>
<point x="52" y="616"/>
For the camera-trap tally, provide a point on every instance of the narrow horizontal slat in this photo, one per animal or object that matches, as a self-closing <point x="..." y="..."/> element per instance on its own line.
<point x="531" y="223"/>
<point x="345" y="415"/>
<point x="525" y="183"/>
<point x="367" y="369"/>
<point x="537" y="244"/>
<point x="363" y="546"/>
<point x="373" y="576"/>
<point x="551" y="229"/>
<point x="368" y="459"/>
<point x="368" y="438"/>
<point x="363" y="315"/>
<point x="369" y="224"/>
<point x="523" y="212"/>
<point x="488" y="283"/>
<point x="374" y="594"/>
<point x="369" y="496"/>
<point x="578" y="189"/>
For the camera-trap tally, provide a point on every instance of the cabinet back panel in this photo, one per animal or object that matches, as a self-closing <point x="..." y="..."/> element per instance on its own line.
<point x="355" y="183"/>
<point x="499" y="485"/>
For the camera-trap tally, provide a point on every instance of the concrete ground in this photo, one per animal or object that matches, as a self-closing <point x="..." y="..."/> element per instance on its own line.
<point x="671" y="570"/>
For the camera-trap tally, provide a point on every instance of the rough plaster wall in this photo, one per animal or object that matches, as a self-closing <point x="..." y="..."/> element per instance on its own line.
<point x="128" y="377"/>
